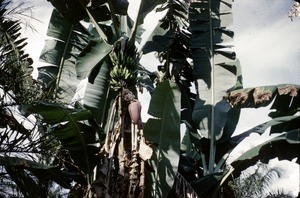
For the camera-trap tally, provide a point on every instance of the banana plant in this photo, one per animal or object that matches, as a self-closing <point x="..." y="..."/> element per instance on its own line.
<point x="218" y="73"/>
<point x="108" y="58"/>
<point x="215" y="63"/>
<point x="203" y="42"/>
<point x="164" y="129"/>
<point x="131" y="150"/>
<point x="212" y="56"/>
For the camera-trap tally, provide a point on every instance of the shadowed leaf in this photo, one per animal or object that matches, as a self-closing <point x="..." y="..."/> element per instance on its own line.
<point x="164" y="130"/>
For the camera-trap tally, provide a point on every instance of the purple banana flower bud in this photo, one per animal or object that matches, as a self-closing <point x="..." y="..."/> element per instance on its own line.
<point x="134" y="109"/>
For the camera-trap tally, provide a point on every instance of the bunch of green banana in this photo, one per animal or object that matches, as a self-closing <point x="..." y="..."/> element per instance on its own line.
<point x="124" y="59"/>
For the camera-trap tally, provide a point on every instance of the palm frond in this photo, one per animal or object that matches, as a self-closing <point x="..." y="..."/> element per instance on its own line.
<point x="257" y="182"/>
<point x="15" y="65"/>
<point x="17" y="86"/>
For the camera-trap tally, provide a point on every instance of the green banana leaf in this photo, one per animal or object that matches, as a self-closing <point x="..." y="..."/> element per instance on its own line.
<point x="285" y="98"/>
<point x="293" y="123"/>
<point x="68" y="127"/>
<point x="98" y="96"/>
<point x="285" y="122"/>
<point x="105" y="15"/>
<point x="70" y="10"/>
<point x="76" y="10"/>
<point x="92" y="57"/>
<point x="284" y="147"/>
<point x="215" y="67"/>
<point x="16" y="166"/>
<point x="206" y="186"/>
<point x="164" y="32"/>
<point x="164" y="129"/>
<point x="66" y="40"/>
<point x="281" y="124"/>
<point x="264" y="152"/>
<point x="158" y="41"/>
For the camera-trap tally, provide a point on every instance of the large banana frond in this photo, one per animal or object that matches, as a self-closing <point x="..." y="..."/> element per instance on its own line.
<point x="215" y="67"/>
<point x="284" y="147"/>
<point x="285" y="104"/>
<point x="164" y="131"/>
<point x="16" y="166"/>
<point x="277" y="125"/>
<point x="60" y="52"/>
<point x="206" y="185"/>
<point x="69" y="128"/>
<point x="109" y="17"/>
<point x="175" y="17"/>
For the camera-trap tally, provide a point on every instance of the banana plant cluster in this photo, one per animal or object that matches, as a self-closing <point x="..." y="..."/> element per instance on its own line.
<point x="120" y="156"/>
<point x="193" y="48"/>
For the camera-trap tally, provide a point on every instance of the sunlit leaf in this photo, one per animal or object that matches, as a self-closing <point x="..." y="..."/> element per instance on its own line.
<point x="92" y="56"/>
<point x="66" y="40"/>
<point x="98" y="96"/>
<point x="215" y="67"/>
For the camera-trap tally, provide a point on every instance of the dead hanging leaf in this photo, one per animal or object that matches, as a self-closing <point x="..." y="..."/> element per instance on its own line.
<point x="134" y="165"/>
<point x="145" y="151"/>
<point x="261" y="95"/>
<point x="237" y="98"/>
<point x="292" y="90"/>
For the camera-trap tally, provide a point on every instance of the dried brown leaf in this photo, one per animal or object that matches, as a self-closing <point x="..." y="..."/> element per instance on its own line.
<point x="145" y="151"/>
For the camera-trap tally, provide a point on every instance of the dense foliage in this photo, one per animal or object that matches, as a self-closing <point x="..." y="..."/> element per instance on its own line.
<point x="98" y="145"/>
